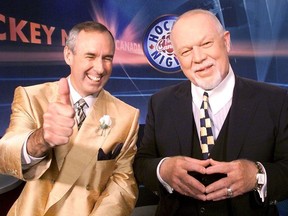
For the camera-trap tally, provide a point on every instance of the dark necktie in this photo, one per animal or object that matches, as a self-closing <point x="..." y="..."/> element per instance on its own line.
<point x="206" y="135"/>
<point x="80" y="114"/>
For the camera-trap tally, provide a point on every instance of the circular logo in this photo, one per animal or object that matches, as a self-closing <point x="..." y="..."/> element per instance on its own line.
<point x="157" y="45"/>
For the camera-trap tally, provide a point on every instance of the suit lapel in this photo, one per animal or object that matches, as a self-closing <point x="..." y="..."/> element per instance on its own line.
<point x="84" y="147"/>
<point x="241" y="116"/>
<point x="62" y="151"/>
<point x="183" y="118"/>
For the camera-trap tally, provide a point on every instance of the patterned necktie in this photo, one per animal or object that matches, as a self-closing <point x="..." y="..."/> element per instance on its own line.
<point x="80" y="114"/>
<point x="206" y="135"/>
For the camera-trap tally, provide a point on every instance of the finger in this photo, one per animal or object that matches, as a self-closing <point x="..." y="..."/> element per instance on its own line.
<point x="218" y="185"/>
<point x="61" y="118"/>
<point x="55" y="140"/>
<point x="193" y="188"/>
<point x="218" y="167"/>
<point x="196" y="165"/>
<point x="219" y="195"/>
<point x="58" y="110"/>
<point x="63" y="92"/>
<point x="193" y="193"/>
<point x="56" y="134"/>
<point x="214" y="162"/>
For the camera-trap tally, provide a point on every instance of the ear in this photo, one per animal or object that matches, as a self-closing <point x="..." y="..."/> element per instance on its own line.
<point x="68" y="55"/>
<point x="227" y="41"/>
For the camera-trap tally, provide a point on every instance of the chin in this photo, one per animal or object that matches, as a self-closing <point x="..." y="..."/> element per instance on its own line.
<point x="209" y="84"/>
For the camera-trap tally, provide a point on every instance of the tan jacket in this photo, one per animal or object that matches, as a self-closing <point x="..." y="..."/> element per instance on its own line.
<point x="70" y="180"/>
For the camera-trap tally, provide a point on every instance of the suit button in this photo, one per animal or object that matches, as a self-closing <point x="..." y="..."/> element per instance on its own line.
<point x="202" y="210"/>
<point x="88" y="187"/>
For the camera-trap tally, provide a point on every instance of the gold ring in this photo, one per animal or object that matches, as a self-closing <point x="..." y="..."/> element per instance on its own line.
<point x="229" y="192"/>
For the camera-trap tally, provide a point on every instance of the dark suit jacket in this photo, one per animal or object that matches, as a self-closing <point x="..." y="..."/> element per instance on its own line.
<point x="258" y="131"/>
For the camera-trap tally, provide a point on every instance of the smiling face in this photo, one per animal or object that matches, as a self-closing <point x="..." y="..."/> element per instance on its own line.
<point x="201" y="46"/>
<point x="90" y="61"/>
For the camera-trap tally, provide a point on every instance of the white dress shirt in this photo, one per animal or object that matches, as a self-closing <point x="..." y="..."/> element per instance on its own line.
<point x="220" y="100"/>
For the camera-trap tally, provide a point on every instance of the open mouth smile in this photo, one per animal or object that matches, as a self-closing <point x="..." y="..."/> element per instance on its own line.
<point x="93" y="78"/>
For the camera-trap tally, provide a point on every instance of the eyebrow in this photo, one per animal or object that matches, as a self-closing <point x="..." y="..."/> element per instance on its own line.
<point x="93" y="54"/>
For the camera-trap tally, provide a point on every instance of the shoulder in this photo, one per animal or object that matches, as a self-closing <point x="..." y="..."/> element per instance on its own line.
<point x="262" y="94"/>
<point x="180" y="89"/>
<point x="118" y="109"/>
<point x="260" y="88"/>
<point x="40" y="88"/>
<point x="118" y="103"/>
<point x="39" y="92"/>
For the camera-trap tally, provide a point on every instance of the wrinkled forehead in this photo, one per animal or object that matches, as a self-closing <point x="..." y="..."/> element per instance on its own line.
<point x="94" y="39"/>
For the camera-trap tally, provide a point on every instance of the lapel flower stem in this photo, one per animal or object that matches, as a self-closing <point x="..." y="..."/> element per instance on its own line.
<point x="105" y="123"/>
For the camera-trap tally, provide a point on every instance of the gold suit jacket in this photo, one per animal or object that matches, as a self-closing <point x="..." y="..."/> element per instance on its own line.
<point x="71" y="180"/>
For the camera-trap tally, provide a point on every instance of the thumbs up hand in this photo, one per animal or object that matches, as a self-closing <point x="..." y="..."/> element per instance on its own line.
<point x="58" y="122"/>
<point x="63" y="92"/>
<point x="59" y="118"/>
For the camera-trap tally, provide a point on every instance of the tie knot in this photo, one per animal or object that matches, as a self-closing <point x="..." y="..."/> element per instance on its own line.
<point x="205" y="96"/>
<point x="80" y="103"/>
<point x="80" y="114"/>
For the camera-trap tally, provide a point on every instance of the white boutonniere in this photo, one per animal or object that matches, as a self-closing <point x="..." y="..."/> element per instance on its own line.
<point x="105" y="123"/>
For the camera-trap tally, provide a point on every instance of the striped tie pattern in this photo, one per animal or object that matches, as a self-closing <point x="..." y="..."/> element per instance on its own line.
<point x="80" y="114"/>
<point x="206" y="135"/>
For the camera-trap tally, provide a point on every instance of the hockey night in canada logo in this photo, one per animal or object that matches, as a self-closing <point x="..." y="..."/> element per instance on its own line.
<point x="157" y="45"/>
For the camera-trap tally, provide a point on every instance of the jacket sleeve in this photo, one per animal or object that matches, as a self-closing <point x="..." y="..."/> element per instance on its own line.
<point x="22" y="122"/>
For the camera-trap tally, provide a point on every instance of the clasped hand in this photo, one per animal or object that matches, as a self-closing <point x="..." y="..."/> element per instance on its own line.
<point x="240" y="177"/>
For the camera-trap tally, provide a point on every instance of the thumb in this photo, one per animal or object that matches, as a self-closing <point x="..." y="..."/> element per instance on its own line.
<point x="63" y="92"/>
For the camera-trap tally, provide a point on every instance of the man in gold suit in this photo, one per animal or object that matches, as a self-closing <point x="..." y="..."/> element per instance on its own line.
<point x="73" y="167"/>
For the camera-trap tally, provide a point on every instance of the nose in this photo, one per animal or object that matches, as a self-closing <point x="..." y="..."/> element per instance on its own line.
<point x="98" y="65"/>
<point x="198" y="54"/>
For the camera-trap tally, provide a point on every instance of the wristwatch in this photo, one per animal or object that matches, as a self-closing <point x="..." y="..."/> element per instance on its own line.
<point x="260" y="177"/>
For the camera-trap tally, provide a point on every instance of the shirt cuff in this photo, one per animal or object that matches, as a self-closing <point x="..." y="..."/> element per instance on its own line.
<point x="165" y="185"/>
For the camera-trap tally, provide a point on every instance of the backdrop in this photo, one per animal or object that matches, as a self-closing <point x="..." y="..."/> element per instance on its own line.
<point x="33" y="33"/>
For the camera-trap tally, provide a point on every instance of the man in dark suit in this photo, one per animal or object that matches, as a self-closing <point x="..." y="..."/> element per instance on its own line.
<point x="244" y="170"/>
